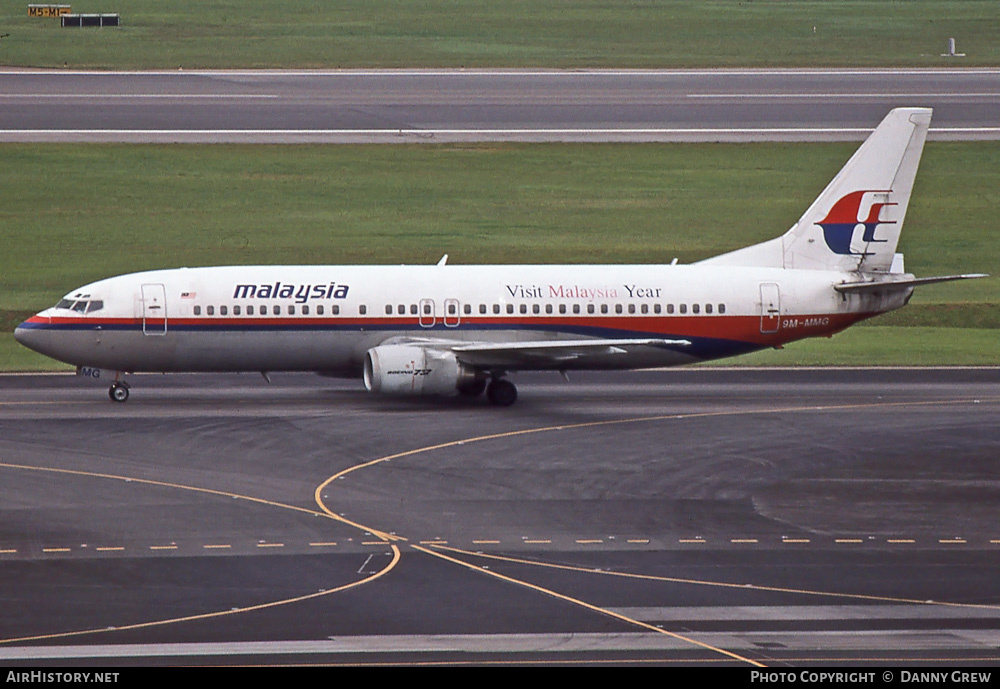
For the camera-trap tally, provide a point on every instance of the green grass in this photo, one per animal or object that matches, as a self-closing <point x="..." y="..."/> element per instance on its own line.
<point x="509" y="33"/>
<point x="76" y="213"/>
<point x="881" y="345"/>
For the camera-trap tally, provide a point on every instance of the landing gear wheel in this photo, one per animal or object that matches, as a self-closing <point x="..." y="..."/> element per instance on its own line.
<point x="473" y="389"/>
<point x="118" y="392"/>
<point x="501" y="393"/>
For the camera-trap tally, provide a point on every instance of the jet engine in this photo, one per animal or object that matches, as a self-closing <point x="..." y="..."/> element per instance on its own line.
<point x="409" y="370"/>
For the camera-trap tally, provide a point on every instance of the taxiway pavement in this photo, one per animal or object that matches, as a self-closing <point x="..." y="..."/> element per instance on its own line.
<point x="736" y="517"/>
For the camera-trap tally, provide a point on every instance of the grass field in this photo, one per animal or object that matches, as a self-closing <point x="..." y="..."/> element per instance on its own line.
<point x="509" y="33"/>
<point x="76" y="213"/>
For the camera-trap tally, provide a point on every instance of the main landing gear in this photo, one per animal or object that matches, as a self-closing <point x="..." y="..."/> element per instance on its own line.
<point x="501" y="392"/>
<point x="118" y="392"/>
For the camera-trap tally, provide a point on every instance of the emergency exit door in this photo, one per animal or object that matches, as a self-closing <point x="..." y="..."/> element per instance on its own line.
<point x="770" y="307"/>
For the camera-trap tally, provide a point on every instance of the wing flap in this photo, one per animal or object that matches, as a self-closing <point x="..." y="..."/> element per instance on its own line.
<point x="553" y="352"/>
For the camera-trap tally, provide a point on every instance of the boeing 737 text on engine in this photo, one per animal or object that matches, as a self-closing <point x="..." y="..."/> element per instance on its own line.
<point x="441" y="330"/>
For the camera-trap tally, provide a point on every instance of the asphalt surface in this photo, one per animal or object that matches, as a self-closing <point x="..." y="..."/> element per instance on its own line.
<point x="412" y="106"/>
<point x="707" y="517"/>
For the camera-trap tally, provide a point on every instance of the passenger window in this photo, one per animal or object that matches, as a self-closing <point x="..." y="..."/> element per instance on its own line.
<point x="496" y="308"/>
<point x="250" y="310"/>
<point x="695" y="308"/>
<point x="645" y="308"/>
<point x="590" y="308"/>
<point x="363" y="309"/>
<point x="413" y="309"/>
<point x="576" y="308"/>
<point x="210" y="310"/>
<point x="524" y="308"/>
<point x="305" y="309"/>
<point x="263" y="309"/>
<point x="656" y="308"/>
<point x="197" y="311"/>
<point x="548" y="308"/>
<point x="319" y="309"/>
<point x="291" y="309"/>
<point x="535" y="308"/>
<point x="388" y="309"/>
<point x="510" y="308"/>
<point x="604" y="308"/>
<point x="631" y="308"/>
<point x="401" y="309"/>
<point x="722" y="308"/>
<point x="451" y="309"/>
<point x="236" y="310"/>
<point x="708" y="308"/>
<point x="670" y="308"/>
<point x="482" y="309"/>
<point x="684" y="308"/>
<point x="562" y="308"/>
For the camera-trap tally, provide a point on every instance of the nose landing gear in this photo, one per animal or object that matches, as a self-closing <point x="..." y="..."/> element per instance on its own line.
<point x="118" y="392"/>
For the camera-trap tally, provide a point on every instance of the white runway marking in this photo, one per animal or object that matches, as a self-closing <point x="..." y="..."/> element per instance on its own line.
<point x="527" y="643"/>
<point x="127" y="96"/>
<point x="888" y="96"/>
<point x="511" y="72"/>
<point x="555" y="135"/>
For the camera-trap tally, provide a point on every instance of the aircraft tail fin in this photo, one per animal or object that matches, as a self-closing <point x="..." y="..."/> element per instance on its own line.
<point x="854" y="224"/>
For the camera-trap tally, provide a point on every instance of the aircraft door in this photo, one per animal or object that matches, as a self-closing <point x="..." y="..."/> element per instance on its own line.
<point x="427" y="316"/>
<point x="452" y="315"/>
<point x="154" y="310"/>
<point x="770" y="307"/>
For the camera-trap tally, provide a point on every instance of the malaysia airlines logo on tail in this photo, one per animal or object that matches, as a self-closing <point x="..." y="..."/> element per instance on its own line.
<point x="843" y="220"/>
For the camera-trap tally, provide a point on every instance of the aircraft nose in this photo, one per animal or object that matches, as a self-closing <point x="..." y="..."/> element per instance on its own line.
<point x="21" y="334"/>
<point x="29" y="335"/>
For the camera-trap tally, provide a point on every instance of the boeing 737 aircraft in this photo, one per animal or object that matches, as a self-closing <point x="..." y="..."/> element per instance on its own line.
<point x="445" y="329"/>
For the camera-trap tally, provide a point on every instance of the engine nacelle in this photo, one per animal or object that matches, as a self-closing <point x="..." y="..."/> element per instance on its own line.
<point x="408" y="370"/>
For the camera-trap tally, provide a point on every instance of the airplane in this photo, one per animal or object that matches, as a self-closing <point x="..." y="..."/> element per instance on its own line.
<point x="456" y="329"/>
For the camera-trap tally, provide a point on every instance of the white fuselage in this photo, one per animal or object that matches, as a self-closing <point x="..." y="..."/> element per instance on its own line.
<point x="324" y="318"/>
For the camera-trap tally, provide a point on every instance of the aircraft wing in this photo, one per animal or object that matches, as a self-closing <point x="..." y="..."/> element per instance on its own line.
<point x="551" y="352"/>
<point x="535" y="354"/>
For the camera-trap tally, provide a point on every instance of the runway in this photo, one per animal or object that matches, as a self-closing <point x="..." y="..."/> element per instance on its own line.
<point x="422" y="106"/>
<point x="706" y="517"/>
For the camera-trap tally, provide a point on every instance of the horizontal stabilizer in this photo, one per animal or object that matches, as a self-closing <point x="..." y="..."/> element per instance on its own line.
<point x="889" y="284"/>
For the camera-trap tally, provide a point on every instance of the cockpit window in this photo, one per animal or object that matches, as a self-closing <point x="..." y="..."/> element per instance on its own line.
<point x="80" y="305"/>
